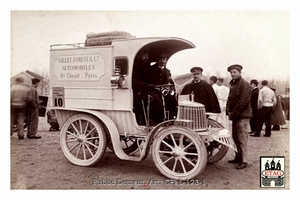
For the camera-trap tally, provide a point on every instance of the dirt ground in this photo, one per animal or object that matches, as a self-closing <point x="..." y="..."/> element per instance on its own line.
<point x="40" y="164"/>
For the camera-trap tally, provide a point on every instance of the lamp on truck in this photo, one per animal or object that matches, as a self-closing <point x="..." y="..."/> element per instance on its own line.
<point x="117" y="78"/>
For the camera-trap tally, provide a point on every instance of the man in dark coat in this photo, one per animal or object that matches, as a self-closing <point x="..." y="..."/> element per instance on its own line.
<point x="33" y="111"/>
<point x="238" y="109"/>
<point x="202" y="91"/>
<point x="142" y="89"/>
<point x="144" y="81"/>
<point x="277" y="117"/>
<point x="160" y="75"/>
<point x="254" y="98"/>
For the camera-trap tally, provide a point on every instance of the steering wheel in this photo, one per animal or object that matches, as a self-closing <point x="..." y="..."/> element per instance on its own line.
<point x="166" y="89"/>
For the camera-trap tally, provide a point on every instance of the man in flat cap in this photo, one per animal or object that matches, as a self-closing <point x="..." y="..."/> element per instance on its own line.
<point x="33" y="111"/>
<point x="203" y="91"/>
<point x="254" y="98"/>
<point x="238" y="109"/>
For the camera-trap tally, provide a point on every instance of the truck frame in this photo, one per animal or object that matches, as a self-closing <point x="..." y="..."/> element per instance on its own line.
<point x="91" y="93"/>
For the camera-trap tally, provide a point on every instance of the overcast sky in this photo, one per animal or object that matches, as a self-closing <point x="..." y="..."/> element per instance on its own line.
<point x="258" y="40"/>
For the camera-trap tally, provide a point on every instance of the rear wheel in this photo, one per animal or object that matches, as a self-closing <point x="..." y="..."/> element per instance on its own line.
<point x="215" y="150"/>
<point x="83" y="140"/>
<point x="179" y="153"/>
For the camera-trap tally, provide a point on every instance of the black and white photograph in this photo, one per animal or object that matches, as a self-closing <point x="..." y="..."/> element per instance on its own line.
<point x="150" y="99"/>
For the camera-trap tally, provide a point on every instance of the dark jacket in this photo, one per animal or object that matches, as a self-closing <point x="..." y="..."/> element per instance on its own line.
<point x="254" y="98"/>
<point x="239" y="99"/>
<point x="277" y="117"/>
<point x="204" y="94"/>
<point x="35" y="99"/>
<point x="158" y="76"/>
<point x="140" y="77"/>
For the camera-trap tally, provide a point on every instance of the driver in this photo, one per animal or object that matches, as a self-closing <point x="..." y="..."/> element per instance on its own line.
<point x="144" y="81"/>
<point x="160" y="75"/>
<point x="142" y="89"/>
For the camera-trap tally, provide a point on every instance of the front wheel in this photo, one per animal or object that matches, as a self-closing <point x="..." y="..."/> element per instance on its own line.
<point x="83" y="140"/>
<point x="179" y="153"/>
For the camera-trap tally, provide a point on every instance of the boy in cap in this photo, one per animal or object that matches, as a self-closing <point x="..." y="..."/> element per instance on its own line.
<point x="203" y="92"/>
<point x="238" y="109"/>
<point x="33" y="111"/>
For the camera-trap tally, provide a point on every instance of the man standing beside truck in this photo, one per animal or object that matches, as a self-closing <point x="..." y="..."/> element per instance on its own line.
<point x="20" y="97"/>
<point x="238" y="109"/>
<point x="33" y="111"/>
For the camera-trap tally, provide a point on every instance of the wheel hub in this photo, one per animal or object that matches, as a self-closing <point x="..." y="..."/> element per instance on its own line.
<point x="178" y="152"/>
<point x="81" y="139"/>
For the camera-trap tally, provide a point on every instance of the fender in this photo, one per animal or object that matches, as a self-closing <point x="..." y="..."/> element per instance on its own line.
<point x="108" y="123"/>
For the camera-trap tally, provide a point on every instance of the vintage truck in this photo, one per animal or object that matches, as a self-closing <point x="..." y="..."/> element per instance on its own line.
<point x="91" y="93"/>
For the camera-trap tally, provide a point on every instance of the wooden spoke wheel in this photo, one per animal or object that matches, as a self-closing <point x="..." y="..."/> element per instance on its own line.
<point x="83" y="140"/>
<point x="179" y="153"/>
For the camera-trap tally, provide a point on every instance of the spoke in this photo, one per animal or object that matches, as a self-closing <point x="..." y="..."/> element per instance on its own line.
<point x="182" y="165"/>
<point x="131" y="140"/>
<point x="92" y="144"/>
<point x="167" y="144"/>
<point x="86" y="127"/>
<point x="80" y="125"/>
<point x="126" y="144"/>
<point x="75" y="129"/>
<point x="173" y="139"/>
<point x="92" y="138"/>
<point x="188" y="145"/>
<point x="89" y="149"/>
<point x="73" y="147"/>
<point x="192" y="154"/>
<point x="189" y="161"/>
<point x="90" y="132"/>
<point x="73" y="140"/>
<point x="72" y="134"/>
<point x="78" y="151"/>
<point x="167" y="160"/>
<point x="181" y="141"/>
<point x="175" y="163"/>
<point x="84" y="154"/>
<point x="168" y="152"/>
